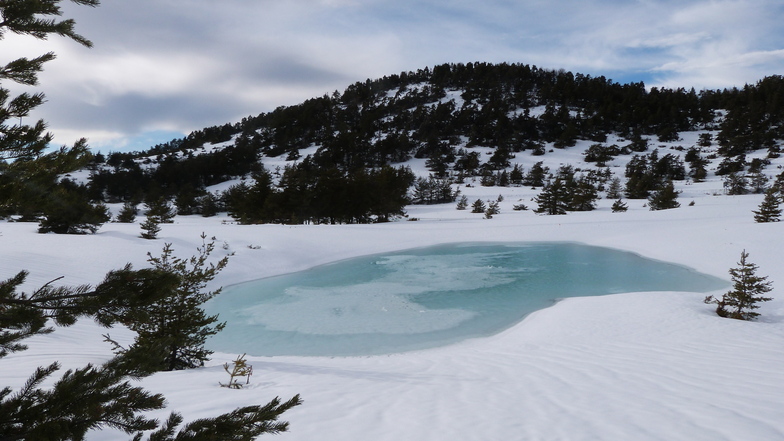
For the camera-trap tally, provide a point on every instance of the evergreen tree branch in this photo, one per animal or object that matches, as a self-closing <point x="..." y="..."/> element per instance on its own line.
<point x="26" y="18"/>
<point x="121" y="293"/>
<point x="105" y="399"/>
<point x="24" y="70"/>
<point x="90" y="398"/>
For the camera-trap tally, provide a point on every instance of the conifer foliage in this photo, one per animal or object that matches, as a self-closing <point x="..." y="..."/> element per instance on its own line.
<point x="23" y="315"/>
<point x="98" y="397"/>
<point x="553" y="199"/>
<point x="127" y="214"/>
<point x="83" y="399"/>
<point x="433" y="191"/>
<point x="492" y="209"/>
<point x="665" y="198"/>
<point x="769" y="210"/>
<point x="150" y="228"/>
<point x="93" y="397"/>
<point x="462" y="203"/>
<point x="161" y="209"/>
<point x="563" y="192"/>
<point x="68" y="212"/>
<point x="748" y="290"/>
<point x="171" y="331"/>
<point x="619" y="206"/>
<point x="29" y="185"/>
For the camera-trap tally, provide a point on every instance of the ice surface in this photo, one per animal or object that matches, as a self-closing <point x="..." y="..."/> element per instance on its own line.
<point x="354" y="309"/>
<point x="427" y="297"/>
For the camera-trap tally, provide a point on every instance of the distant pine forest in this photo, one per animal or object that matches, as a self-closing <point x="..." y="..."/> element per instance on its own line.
<point x="357" y="142"/>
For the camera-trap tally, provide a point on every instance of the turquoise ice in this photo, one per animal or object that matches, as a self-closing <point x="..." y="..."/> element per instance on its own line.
<point x="427" y="297"/>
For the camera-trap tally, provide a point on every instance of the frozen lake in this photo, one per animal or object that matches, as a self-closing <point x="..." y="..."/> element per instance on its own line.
<point x="427" y="297"/>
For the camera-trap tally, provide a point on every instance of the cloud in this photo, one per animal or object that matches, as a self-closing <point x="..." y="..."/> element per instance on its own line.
<point x="179" y="66"/>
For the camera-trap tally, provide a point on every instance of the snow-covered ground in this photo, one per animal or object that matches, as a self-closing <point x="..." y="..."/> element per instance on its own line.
<point x="634" y="366"/>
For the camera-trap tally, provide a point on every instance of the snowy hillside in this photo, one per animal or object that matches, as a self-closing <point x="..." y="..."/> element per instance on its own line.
<point x="642" y="366"/>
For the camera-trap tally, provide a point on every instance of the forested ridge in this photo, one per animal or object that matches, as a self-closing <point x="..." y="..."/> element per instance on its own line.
<point x="357" y="140"/>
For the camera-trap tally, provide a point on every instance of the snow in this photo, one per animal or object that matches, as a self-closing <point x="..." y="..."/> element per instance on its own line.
<point x="641" y="366"/>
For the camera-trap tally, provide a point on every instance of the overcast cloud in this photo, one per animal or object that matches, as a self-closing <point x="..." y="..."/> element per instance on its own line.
<point x="162" y="68"/>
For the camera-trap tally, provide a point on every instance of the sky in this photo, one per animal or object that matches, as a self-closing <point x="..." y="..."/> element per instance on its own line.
<point x="160" y="69"/>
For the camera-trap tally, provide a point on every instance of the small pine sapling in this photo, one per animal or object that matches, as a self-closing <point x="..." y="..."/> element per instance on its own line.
<point x="478" y="206"/>
<point x="769" y="210"/>
<point x="127" y="214"/>
<point x="150" y="228"/>
<point x="747" y="291"/>
<point x="619" y="206"/>
<point x="160" y="209"/>
<point x="238" y="368"/>
<point x="736" y="184"/>
<point x="492" y="209"/>
<point x="462" y="203"/>
<point x="614" y="189"/>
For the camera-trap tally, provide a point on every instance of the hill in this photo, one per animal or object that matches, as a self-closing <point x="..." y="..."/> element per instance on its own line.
<point x="643" y="366"/>
<point x="491" y="123"/>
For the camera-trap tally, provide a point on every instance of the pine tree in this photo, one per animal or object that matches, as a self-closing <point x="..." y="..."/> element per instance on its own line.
<point x="462" y="203"/>
<point x="82" y="399"/>
<point x="778" y="182"/>
<point x="614" y="188"/>
<point x="96" y="397"/>
<point x="698" y="171"/>
<point x="665" y="198"/>
<point x="208" y="205"/>
<point x="185" y="202"/>
<point x="127" y="214"/>
<point x="757" y="181"/>
<point x="492" y="209"/>
<point x="553" y="199"/>
<point x="747" y="291"/>
<point x="769" y="210"/>
<point x="735" y="184"/>
<point x="150" y="228"/>
<point x="29" y="18"/>
<point x="478" y="206"/>
<point x="161" y="209"/>
<point x="601" y="154"/>
<point x="516" y="175"/>
<point x="639" y="176"/>
<point x="536" y="175"/>
<point x="68" y="211"/>
<point x="171" y="332"/>
<point x="27" y="179"/>
<point x="619" y="206"/>
<point x="488" y="179"/>
<point x="26" y="315"/>
<point x="244" y="423"/>
<point x="92" y="397"/>
<point x="583" y="195"/>
<point x="433" y="190"/>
